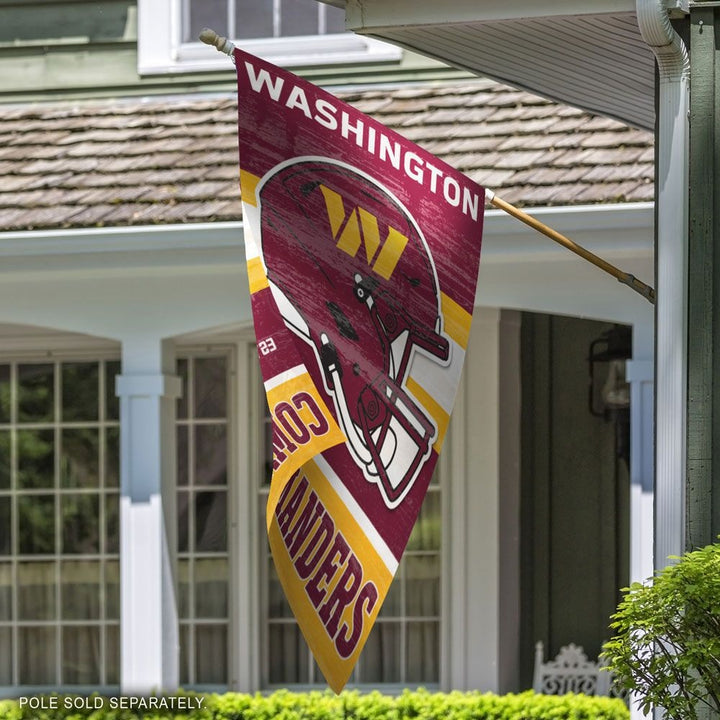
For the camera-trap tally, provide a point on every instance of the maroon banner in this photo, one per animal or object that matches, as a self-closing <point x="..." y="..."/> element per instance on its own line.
<point x="363" y="254"/>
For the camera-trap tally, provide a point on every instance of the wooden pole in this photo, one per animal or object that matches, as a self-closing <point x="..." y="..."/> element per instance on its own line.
<point x="626" y="278"/>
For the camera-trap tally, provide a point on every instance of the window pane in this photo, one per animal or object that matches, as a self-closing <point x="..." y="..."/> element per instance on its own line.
<point x="6" y="585"/>
<point x="79" y="391"/>
<point x="36" y="653"/>
<point x="112" y="457"/>
<point x="211" y="588"/>
<point x="423" y="585"/>
<point x="182" y="372"/>
<point x="5" y="394"/>
<point x="183" y="529"/>
<point x="36" y="521"/>
<point x="423" y="652"/>
<point x="35" y="393"/>
<point x="205" y="13"/>
<point x="211" y="455"/>
<point x="79" y="459"/>
<point x="381" y="655"/>
<point x="5" y="526"/>
<point x="80" y="587"/>
<point x="253" y="19"/>
<point x="112" y="654"/>
<point x="112" y="523"/>
<point x="288" y="655"/>
<point x="5" y="459"/>
<point x="6" y="656"/>
<point x="278" y="606"/>
<point x="299" y="17"/>
<point x="112" y="401"/>
<point x="81" y="655"/>
<point x="211" y="653"/>
<point x="36" y="458"/>
<point x="185" y="654"/>
<point x="183" y="571"/>
<point x="80" y="521"/>
<point x="392" y="605"/>
<point x="210" y="522"/>
<point x="210" y="387"/>
<point x="36" y="590"/>
<point x="112" y="589"/>
<point x="426" y="533"/>
<point x="182" y="455"/>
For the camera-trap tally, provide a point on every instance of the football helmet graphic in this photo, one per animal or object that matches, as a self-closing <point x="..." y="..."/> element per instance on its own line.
<point x="353" y="277"/>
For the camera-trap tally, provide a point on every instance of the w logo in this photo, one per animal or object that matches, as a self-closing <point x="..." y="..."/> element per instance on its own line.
<point x="359" y="227"/>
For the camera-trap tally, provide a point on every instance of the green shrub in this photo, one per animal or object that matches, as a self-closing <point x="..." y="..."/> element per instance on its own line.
<point x="349" y="705"/>
<point x="666" y="646"/>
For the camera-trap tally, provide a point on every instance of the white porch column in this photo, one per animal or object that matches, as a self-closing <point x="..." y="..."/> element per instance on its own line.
<point x="640" y="375"/>
<point x="483" y="518"/>
<point x="148" y="607"/>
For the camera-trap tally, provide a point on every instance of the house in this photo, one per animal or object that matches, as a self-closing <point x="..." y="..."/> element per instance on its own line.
<point x="629" y="59"/>
<point x="133" y="439"/>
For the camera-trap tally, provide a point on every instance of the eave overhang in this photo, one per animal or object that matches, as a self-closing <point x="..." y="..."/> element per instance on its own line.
<point x="586" y="53"/>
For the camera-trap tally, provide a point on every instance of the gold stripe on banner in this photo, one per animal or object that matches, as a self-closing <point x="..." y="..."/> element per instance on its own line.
<point x="248" y="184"/>
<point x="333" y="577"/>
<point x="439" y="415"/>
<point x="256" y="275"/>
<point x="456" y="320"/>
<point x="302" y="425"/>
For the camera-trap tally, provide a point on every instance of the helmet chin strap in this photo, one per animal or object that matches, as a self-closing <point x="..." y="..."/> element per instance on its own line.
<point x="328" y="355"/>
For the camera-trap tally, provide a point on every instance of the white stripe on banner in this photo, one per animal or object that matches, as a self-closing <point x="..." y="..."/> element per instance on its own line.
<point x="358" y="514"/>
<point x="284" y="376"/>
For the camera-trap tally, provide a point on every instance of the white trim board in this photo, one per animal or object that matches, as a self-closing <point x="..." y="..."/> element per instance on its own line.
<point x="218" y="237"/>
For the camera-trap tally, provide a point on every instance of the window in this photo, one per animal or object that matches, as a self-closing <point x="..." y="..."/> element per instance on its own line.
<point x="202" y="507"/>
<point x="285" y="32"/>
<point x="404" y="645"/>
<point x="250" y="19"/>
<point x="59" y="490"/>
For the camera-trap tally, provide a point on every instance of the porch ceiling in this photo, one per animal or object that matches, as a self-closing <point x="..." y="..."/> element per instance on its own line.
<point x="587" y="54"/>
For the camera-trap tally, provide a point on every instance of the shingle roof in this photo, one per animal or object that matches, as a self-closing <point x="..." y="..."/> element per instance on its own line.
<point x="173" y="160"/>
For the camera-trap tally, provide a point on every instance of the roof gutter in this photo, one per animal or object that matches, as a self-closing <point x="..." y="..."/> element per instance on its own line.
<point x="671" y="256"/>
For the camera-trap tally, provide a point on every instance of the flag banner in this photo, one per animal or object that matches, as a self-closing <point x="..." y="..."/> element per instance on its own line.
<point x="362" y="259"/>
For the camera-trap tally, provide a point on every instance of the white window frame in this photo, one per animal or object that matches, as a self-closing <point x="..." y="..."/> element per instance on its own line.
<point x="244" y="461"/>
<point x="161" y="52"/>
<point x="55" y="351"/>
<point x="228" y="352"/>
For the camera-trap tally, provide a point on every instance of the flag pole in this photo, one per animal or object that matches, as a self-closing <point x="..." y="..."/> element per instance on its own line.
<point x="223" y="45"/>
<point x="626" y="278"/>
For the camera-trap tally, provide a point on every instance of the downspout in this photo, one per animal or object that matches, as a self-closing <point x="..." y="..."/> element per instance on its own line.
<point x="671" y="178"/>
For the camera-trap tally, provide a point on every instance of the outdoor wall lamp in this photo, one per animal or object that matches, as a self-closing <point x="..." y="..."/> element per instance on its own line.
<point x="608" y="391"/>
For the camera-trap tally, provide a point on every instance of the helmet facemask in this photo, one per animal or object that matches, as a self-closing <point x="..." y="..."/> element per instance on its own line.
<point x="364" y="329"/>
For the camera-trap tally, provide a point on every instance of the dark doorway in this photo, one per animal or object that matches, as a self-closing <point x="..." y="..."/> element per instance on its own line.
<point x="574" y="490"/>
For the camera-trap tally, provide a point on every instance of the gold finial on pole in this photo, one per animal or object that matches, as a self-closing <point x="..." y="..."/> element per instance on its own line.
<point x="210" y="37"/>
